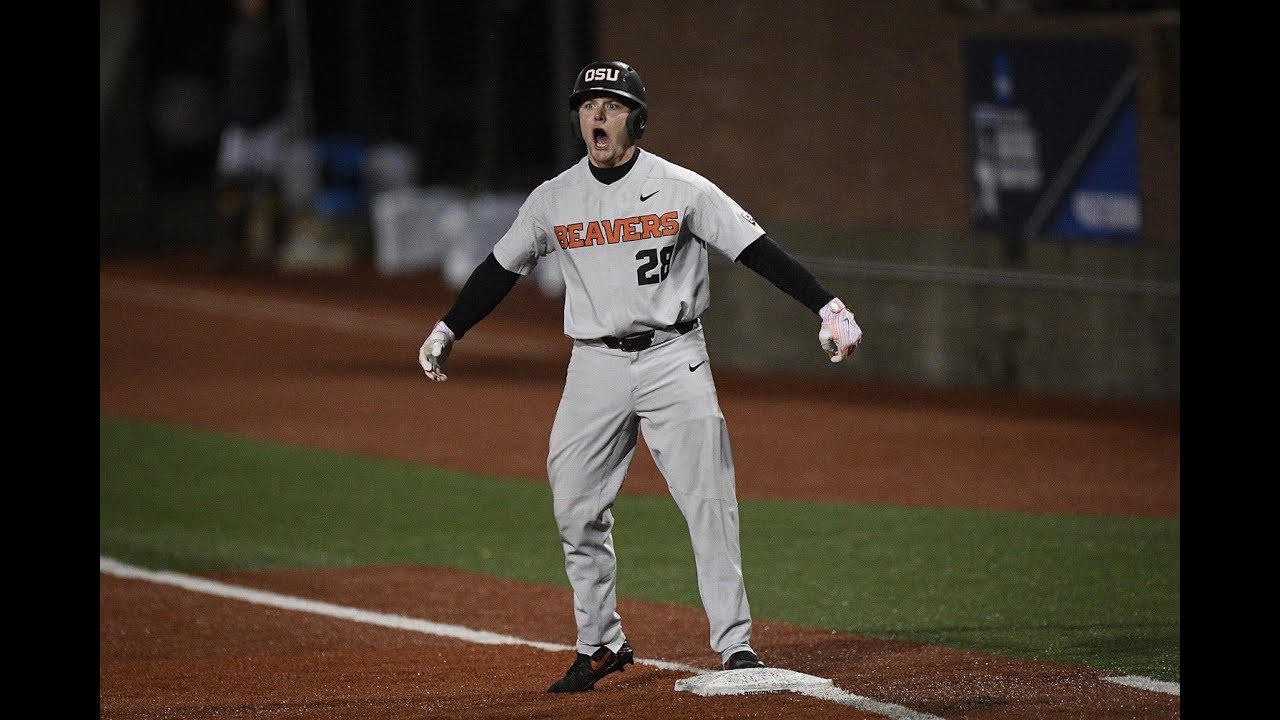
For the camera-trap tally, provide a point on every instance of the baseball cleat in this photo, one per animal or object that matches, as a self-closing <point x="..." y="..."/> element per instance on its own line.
<point x="587" y="669"/>
<point x="743" y="659"/>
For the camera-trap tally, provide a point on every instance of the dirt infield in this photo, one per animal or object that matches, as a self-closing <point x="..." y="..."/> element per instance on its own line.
<point x="331" y="363"/>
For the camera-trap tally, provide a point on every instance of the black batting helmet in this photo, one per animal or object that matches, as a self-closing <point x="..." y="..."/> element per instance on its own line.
<point x="616" y="78"/>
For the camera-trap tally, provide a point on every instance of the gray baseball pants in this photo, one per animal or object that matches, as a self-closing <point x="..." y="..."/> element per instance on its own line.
<point x="666" y="392"/>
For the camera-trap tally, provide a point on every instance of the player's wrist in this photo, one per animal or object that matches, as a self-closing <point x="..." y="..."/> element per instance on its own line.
<point x="833" y="307"/>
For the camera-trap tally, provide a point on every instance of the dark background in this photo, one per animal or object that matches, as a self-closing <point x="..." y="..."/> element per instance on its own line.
<point x="399" y="70"/>
<point x="476" y="89"/>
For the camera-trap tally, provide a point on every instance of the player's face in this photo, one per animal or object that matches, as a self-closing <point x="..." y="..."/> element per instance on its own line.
<point x="603" y="121"/>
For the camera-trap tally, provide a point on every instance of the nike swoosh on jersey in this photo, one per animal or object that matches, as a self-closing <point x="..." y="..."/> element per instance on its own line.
<point x="644" y="197"/>
<point x="695" y="367"/>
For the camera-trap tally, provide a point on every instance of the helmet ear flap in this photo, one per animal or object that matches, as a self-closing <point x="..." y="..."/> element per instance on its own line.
<point x="575" y="130"/>
<point x="636" y="122"/>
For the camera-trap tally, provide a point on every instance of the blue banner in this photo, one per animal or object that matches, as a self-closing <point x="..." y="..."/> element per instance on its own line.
<point x="1053" y="138"/>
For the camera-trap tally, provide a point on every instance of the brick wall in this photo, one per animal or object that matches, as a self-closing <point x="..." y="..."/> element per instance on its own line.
<point x="851" y="112"/>
<point x="841" y="125"/>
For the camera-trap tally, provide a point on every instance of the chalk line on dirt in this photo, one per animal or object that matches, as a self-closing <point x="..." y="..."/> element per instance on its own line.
<point x="114" y="567"/>
<point x="1146" y="683"/>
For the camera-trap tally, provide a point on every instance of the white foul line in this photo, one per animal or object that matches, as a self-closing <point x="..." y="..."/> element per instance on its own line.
<point x="1146" y="683"/>
<point x="114" y="567"/>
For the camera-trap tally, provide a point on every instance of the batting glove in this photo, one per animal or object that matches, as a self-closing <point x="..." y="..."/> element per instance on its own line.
<point x="435" y="350"/>
<point x="840" y="333"/>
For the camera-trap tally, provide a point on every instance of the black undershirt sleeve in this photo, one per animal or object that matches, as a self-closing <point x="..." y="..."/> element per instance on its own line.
<point x="771" y="262"/>
<point x="488" y="284"/>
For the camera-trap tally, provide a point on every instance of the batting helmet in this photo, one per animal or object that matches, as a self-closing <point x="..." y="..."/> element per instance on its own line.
<point x="616" y="78"/>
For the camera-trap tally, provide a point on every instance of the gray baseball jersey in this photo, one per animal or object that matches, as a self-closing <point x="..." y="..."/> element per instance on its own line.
<point x="633" y="252"/>
<point x="634" y="258"/>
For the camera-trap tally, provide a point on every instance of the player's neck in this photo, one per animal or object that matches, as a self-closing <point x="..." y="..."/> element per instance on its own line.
<point x="609" y="175"/>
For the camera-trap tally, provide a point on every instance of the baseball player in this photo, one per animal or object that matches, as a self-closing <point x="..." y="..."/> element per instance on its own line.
<point x="632" y="232"/>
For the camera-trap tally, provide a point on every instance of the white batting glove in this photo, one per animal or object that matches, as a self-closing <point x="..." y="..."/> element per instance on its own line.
<point x="840" y="333"/>
<point x="435" y="350"/>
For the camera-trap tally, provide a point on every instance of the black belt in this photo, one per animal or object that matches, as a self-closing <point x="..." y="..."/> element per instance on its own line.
<point x="640" y="341"/>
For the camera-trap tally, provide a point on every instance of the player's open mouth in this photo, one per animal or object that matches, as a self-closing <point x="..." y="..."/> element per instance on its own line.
<point x="600" y="138"/>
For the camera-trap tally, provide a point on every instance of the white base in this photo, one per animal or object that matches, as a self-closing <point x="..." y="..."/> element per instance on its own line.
<point x="751" y="680"/>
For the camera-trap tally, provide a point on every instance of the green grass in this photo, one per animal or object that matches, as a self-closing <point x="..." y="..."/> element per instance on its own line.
<point x="1093" y="591"/>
